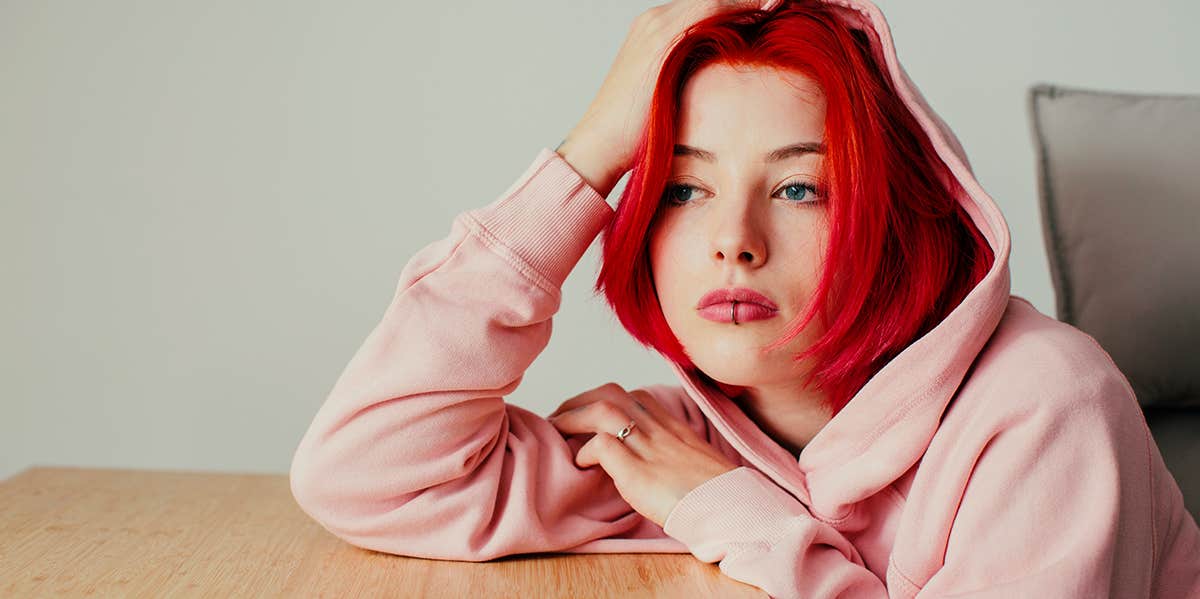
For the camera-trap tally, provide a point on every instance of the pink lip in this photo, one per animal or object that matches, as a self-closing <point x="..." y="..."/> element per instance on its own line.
<point x="745" y="311"/>
<point x="722" y="305"/>
<point x="735" y="294"/>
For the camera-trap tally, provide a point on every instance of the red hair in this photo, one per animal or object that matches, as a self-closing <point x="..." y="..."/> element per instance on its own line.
<point x="902" y="251"/>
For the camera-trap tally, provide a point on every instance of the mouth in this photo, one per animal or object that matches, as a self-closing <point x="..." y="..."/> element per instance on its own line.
<point x="737" y="312"/>
<point x="736" y="305"/>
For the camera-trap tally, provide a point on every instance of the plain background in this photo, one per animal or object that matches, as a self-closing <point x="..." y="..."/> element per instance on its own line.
<point x="207" y="204"/>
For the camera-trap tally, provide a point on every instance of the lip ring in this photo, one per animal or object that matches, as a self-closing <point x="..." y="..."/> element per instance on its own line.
<point x="735" y="294"/>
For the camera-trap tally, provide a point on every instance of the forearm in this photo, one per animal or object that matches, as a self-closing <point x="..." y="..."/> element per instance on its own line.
<point x="588" y="157"/>
<point x="411" y="449"/>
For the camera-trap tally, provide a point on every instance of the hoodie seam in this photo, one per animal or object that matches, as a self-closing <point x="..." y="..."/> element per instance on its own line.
<point x="902" y="576"/>
<point x="900" y="413"/>
<point x="417" y="278"/>
<point x="896" y="416"/>
<point x="501" y="249"/>
<point x="834" y="522"/>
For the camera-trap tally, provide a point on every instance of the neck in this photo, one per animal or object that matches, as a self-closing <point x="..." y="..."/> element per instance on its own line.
<point x="791" y="416"/>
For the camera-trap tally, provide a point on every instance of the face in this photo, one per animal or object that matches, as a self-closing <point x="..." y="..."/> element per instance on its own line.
<point x="734" y="217"/>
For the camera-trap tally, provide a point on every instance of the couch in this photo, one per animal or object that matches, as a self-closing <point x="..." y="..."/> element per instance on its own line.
<point x="1119" y="192"/>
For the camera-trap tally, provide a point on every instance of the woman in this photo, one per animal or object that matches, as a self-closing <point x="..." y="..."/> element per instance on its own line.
<point x="864" y="409"/>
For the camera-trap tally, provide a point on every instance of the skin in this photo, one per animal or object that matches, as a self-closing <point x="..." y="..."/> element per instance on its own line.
<point x="663" y="459"/>
<point x="745" y="222"/>
<point x="601" y="145"/>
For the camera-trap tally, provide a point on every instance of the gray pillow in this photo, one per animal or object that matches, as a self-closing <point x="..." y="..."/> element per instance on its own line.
<point x="1119" y="186"/>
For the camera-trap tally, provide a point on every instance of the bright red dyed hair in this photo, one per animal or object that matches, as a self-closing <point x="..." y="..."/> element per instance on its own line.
<point x="902" y="252"/>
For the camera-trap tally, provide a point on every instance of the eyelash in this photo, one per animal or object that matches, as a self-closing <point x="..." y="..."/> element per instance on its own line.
<point x="813" y="190"/>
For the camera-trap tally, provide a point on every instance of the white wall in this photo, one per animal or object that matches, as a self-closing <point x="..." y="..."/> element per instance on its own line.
<point x="206" y="205"/>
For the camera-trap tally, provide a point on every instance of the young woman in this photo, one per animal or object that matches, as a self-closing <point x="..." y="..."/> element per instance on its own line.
<point x="864" y="410"/>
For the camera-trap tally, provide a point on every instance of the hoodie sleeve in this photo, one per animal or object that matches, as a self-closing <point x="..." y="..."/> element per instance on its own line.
<point x="1055" y="506"/>
<point x="415" y="452"/>
<point x="762" y="536"/>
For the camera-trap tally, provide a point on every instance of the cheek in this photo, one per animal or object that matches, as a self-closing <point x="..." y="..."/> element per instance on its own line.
<point x="813" y="252"/>
<point x="658" y="247"/>
<point x="669" y="270"/>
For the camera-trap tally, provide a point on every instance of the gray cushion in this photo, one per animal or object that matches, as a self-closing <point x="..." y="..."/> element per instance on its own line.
<point x="1119" y="188"/>
<point x="1119" y="185"/>
<point x="1177" y="435"/>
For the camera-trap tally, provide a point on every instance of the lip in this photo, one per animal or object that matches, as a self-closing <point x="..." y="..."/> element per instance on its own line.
<point x="723" y="305"/>
<point x="741" y="295"/>
<point x="743" y="311"/>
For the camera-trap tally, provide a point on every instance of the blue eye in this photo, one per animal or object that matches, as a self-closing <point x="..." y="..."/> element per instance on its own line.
<point x="801" y="192"/>
<point x="669" y="194"/>
<point x="810" y="190"/>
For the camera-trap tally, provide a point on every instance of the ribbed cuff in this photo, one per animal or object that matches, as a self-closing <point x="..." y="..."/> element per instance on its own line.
<point x="738" y="507"/>
<point x="548" y="217"/>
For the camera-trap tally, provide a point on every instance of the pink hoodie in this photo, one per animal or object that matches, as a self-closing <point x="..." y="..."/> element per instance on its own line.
<point x="1000" y="455"/>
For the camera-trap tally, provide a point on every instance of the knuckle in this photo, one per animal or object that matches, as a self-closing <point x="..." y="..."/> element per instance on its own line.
<point x="612" y="386"/>
<point x="607" y="408"/>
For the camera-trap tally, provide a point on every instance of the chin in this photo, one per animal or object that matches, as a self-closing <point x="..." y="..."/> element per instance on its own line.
<point x="731" y="382"/>
<point x="730" y="390"/>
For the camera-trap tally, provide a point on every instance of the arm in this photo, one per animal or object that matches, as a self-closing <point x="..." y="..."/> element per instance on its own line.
<point x="763" y="536"/>
<point x="1056" y="506"/>
<point x="415" y="451"/>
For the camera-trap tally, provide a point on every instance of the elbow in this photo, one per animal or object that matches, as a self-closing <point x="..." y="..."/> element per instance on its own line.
<point x="313" y="489"/>
<point x="300" y="480"/>
<point x="339" y="506"/>
<point x="316" y="493"/>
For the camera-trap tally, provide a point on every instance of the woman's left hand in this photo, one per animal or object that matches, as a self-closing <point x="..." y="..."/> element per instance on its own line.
<point x="660" y="461"/>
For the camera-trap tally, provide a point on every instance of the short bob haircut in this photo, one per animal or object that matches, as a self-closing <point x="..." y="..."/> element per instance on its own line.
<point x="902" y="252"/>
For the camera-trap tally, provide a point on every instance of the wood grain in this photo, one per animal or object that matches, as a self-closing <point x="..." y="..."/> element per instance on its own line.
<point x="92" y="532"/>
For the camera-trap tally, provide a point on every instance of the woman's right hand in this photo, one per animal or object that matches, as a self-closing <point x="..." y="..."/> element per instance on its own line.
<point x="601" y="145"/>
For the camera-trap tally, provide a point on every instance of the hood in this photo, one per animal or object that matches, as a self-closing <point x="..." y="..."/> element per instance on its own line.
<point x="887" y="426"/>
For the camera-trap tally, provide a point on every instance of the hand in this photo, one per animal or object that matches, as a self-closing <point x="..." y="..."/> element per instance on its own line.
<point x="605" y="139"/>
<point x="660" y="461"/>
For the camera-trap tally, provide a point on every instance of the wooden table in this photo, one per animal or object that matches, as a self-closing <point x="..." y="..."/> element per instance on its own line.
<point x="74" y="532"/>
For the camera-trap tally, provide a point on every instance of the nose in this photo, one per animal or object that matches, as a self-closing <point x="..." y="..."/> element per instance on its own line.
<point x="737" y="237"/>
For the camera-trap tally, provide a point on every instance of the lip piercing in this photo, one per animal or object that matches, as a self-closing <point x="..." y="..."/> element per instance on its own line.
<point x="733" y="312"/>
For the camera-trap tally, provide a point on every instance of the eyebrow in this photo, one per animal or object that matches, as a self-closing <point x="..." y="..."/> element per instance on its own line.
<point x="800" y="149"/>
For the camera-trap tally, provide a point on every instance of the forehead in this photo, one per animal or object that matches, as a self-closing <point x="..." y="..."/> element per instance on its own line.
<point x="723" y="103"/>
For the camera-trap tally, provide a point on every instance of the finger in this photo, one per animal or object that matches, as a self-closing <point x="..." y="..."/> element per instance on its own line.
<point x="639" y="405"/>
<point x="606" y="416"/>
<point x="613" y="455"/>
<point x="589" y="396"/>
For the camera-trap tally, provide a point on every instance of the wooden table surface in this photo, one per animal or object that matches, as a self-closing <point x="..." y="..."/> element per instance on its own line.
<point x="75" y="532"/>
